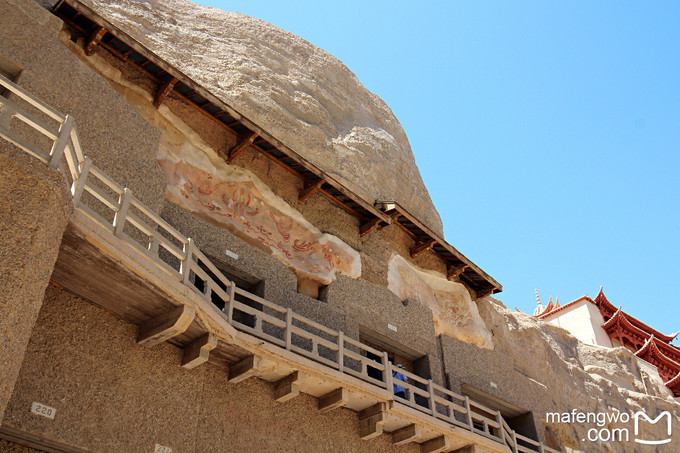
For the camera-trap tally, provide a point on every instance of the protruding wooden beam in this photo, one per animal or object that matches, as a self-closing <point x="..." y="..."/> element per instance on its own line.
<point x="286" y="388"/>
<point x="163" y="90"/>
<point x="369" y="226"/>
<point x="333" y="400"/>
<point x="393" y="215"/>
<point x="309" y="189"/>
<point x="246" y="368"/>
<point x="163" y="327"/>
<point x="407" y="434"/>
<point x="454" y="271"/>
<point x="468" y="449"/>
<point x="371" y="421"/>
<point x="198" y="352"/>
<point x="485" y="292"/>
<point x="436" y="445"/>
<point x="93" y="40"/>
<point x="244" y="141"/>
<point x="422" y="247"/>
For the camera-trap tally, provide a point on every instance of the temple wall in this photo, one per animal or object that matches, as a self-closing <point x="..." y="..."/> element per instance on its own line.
<point x="584" y="321"/>
<point x="35" y="210"/>
<point x="110" y="130"/>
<point x="113" y="395"/>
<point x="349" y="304"/>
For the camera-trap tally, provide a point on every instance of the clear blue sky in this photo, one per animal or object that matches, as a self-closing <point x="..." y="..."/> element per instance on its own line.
<point x="547" y="133"/>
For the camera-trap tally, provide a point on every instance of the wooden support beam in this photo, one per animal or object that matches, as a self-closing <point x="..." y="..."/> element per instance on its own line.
<point x="163" y="327"/>
<point x="369" y="226"/>
<point x="422" y="247"/>
<point x="468" y="449"/>
<point x="485" y="292"/>
<point x="372" y="421"/>
<point x="407" y="434"/>
<point x="454" y="271"/>
<point x="244" y="141"/>
<point x="93" y="40"/>
<point x="436" y="445"/>
<point x="163" y="90"/>
<point x="333" y="400"/>
<point x="286" y="388"/>
<point x="246" y="368"/>
<point x="198" y="351"/>
<point x="309" y="189"/>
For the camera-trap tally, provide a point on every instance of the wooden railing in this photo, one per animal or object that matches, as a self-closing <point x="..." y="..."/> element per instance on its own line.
<point x="118" y="210"/>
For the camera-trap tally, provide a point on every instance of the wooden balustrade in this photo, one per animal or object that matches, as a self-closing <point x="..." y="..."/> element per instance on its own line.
<point x="278" y="325"/>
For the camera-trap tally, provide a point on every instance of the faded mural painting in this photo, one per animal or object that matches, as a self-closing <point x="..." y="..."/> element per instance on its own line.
<point x="454" y="312"/>
<point x="240" y="205"/>
<point x="202" y="182"/>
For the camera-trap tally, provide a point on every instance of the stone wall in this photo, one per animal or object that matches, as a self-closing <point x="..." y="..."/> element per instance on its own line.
<point x="113" y="395"/>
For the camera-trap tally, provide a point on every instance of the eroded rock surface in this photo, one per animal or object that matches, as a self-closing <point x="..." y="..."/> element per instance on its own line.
<point x="454" y="312"/>
<point x="303" y="96"/>
<point x="585" y="378"/>
<point x="230" y="196"/>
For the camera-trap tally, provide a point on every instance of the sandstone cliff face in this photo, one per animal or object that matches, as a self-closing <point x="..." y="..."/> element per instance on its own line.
<point x="587" y="378"/>
<point x="304" y="97"/>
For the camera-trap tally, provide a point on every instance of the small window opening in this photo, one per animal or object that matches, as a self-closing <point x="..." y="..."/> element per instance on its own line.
<point x="518" y="419"/>
<point x="242" y="280"/>
<point x="410" y="360"/>
<point x="9" y="70"/>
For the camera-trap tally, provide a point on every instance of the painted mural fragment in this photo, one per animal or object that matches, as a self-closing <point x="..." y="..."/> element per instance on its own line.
<point x="199" y="180"/>
<point x="454" y="312"/>
<point x="242" y="206"/>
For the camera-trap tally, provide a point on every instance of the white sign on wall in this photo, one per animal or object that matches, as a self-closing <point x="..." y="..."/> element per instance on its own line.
<point x="43" y="410"/>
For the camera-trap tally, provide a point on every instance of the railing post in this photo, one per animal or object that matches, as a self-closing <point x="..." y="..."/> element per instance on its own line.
<point x="540" y="448"/>
<point x="501" y="430"/>
<point x="119" y="218"/>
<point x="289" y="328"/>
<point x="60" y="143"/>
<point x="79" y="185"/>
<point x="230" y="306"/>
<point x="468" y="412"/>
<point x="430" y="389"/>
<point x="186" y="262"/>
<point x="341" y="351"/>
<point x="388" y="372"/>
<point x="514" y="442"/>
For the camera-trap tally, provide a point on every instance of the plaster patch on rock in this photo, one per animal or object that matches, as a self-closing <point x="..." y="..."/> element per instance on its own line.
<point x="199" y="180"/>
<point x="454" y="312"/>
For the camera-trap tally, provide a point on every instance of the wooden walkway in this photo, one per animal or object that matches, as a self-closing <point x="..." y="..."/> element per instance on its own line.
<point x="302" y="350"/>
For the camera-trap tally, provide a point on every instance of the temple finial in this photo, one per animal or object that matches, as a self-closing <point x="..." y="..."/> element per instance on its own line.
<point x="539" y="307"/>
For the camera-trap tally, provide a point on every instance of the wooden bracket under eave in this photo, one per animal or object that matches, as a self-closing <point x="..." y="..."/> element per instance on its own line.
<point x="163" y="90"/>
<point x="455" y="271"/>
<point x="198" y="351"/>
<point x="286" y="388"/>
<point x="485" y="292"/>
<point x="372" y="421"/>
<point x="165" y="326"/>
<point x="93" y="40"/>
<point x="244" y="141"/>
<point x="369" y="226"/>
<point x="309" y="189"/>
<point x="422" y="247"/>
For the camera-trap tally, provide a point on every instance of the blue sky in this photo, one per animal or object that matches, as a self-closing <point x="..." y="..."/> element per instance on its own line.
<point x="547" y="133"/>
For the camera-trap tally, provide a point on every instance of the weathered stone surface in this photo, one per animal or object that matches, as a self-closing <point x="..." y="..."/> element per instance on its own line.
<point x="454" y="312"/>
<point x="304" y="97"/>
<point x="538" y="365"/>
<point x="36" y="207"/>
<point x="199" y="180"/>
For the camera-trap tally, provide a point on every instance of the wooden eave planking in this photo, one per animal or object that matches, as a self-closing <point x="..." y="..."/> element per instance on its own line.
<point x="85" y="11"/>
<point x="422" y="234"/>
